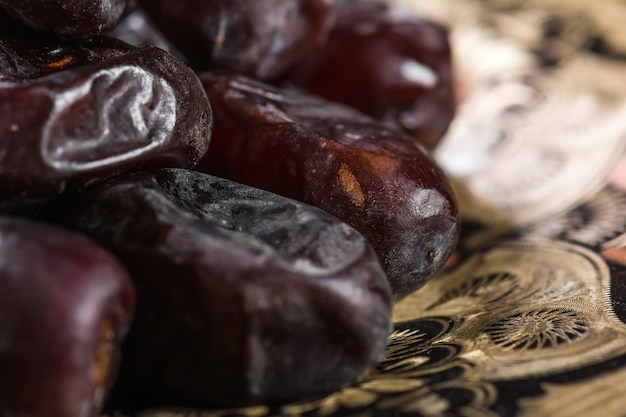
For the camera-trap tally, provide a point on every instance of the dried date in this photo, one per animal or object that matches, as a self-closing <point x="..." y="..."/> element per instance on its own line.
<point x="76" y="19"/>
<point x="261" y="38"/>
<point x="65" y="306"/>
<point x="243" y="295"/>
<point x="333" y="157"/>
<point x="73" y="114"/>
<point x="389" y="63"/>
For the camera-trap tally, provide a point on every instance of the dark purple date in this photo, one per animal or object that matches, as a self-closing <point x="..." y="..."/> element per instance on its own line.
<point x="242" y="295"/>
<point x="76" y="114"/>
<point x="388" y="63"/>
<point x="65" y="306"/>
<point x="261" y="38"/>
<point x="330" y="156"/>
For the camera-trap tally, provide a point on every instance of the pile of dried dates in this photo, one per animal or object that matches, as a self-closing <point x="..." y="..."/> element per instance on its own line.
<point x="225" y="222"/>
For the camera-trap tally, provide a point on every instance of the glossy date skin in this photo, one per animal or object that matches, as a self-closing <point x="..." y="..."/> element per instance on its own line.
<point x="261" y="38"/>
<point x="79" y="19"/>
<point x="389" y="63"/>
<point x="74" y="114"/>
<point x="243" y="295"/>
<point x="65" y="307"/>
<point x="332" y="157"/>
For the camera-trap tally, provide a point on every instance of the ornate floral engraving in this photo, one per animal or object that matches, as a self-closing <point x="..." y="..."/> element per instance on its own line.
<point x="541" y="328"/>
<point x="553" y="313"/>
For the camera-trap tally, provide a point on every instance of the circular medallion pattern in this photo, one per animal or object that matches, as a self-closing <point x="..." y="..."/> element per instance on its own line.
<point x="537" y="329"/>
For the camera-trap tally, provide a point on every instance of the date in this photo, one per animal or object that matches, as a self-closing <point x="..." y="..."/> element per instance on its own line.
<point x="72" y="115"/>
<point x="389" y="63"/>
<point x="65" y="307"/>
<point x="335" y="158"/>
<point x="261" y="38"/>
<point x="243" y="295"/>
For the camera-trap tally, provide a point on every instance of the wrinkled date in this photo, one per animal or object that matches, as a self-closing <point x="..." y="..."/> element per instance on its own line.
<point x="65" y="306"/>
<point x="261" y="38"/>
<point x="75" y="18"/>
<point x="242" y="295"/>
<point x="333" y="157"/>
<point x="75" y="114"/>
<point x="388" y="63"/>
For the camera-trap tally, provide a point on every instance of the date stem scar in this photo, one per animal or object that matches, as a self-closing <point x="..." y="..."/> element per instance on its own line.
<point x="351" y="186"/>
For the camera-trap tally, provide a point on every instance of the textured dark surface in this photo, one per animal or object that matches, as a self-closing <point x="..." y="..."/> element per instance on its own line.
<point x="243" y="295"/>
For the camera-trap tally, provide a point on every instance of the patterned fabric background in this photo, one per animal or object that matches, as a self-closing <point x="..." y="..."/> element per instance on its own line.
<point x="529" y="317"/>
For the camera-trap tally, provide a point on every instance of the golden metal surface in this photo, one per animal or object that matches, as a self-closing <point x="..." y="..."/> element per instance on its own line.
<point x="524" y="309"/>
